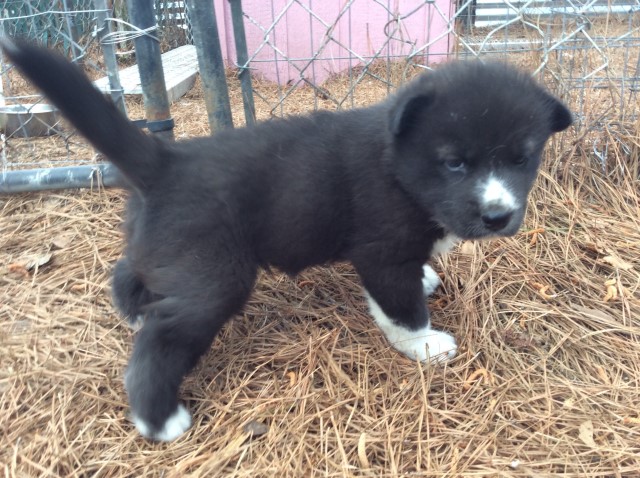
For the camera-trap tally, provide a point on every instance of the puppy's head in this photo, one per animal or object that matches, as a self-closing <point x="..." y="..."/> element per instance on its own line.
<point x="466" y="143"/>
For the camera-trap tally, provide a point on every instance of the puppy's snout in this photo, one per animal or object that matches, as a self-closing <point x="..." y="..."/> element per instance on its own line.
<point x="496" y="218"/>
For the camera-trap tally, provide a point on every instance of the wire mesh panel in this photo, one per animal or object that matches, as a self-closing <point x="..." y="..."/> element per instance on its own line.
<point x="34" y="136"/>
<point x="575" y="48"/>
<point x="52" y="22"/>
<point x="174" y="23"/>
<point x="587" y="52"/>
<point x="307" y="43"/>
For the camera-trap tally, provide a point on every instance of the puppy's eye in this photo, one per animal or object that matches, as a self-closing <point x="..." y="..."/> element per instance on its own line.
<point x="519" y="160"/>
<point x="455" y="164"/>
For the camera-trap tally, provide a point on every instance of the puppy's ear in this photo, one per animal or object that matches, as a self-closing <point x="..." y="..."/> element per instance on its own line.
<point x="404" y="114"/>
<point x="561" y="117"/>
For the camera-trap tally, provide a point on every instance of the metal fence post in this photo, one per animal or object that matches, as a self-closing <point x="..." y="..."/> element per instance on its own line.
<point x="109" y="53"/>
<point x="214" y="82"/>
<point x="243" y="58"/>
<point x="72" y="30"/>
<point x="148" y="56"/>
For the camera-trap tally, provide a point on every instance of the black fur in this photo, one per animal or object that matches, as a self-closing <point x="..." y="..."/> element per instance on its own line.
<point x="376" y="186"/>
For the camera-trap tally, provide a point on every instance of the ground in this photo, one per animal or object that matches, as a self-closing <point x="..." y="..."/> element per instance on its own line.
<point x="546" y="382"/>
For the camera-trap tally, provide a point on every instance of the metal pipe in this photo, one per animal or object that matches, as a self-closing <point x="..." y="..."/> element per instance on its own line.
<point x="214" y="82"/>
<point x="104" y="174"/>
<point x="109" y="53"/>
<point x="149" y="58"/>
<point x="243" y="59"/>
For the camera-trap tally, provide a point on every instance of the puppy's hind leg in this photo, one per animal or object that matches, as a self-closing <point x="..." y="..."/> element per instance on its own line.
<point x="129" y="294"/>
<point x="179" y="330"/>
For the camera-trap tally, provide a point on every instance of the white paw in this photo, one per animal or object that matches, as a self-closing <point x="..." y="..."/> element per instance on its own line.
<point x="424" y="344"/>
<point x="136" y="322"/>
<point x="428" y="344"/>
<point x="176" y="425"/>
<point x="430" y="280"/>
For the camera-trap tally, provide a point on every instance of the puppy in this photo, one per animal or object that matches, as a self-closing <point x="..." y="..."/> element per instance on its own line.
<point x="450" y="156"/>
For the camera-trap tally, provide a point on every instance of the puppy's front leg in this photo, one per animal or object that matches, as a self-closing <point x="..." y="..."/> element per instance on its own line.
<point x="397" y="303"/>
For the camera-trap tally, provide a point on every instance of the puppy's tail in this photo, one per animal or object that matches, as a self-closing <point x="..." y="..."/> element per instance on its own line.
<point x="133" y="152"/>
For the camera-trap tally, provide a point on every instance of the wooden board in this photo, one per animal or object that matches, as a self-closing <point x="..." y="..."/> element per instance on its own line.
<point x="180" y="67"/>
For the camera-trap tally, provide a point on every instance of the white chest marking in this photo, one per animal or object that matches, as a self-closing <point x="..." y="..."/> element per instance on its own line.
<point x="430" y="280"/>
<point x="444" y="245"/>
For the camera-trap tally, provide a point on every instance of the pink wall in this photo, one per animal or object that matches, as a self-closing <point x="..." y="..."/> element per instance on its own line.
<point x="360" y="32"/>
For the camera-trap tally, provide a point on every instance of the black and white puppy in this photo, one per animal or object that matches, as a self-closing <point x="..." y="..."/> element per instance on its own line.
<point x="451" y="156"/>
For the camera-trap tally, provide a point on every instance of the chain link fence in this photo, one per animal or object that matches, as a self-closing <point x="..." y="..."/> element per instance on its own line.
<point x="309" y="54"/>
<point x="574" y="46"/>
<point x="52" y="22"/>
<point x="26" y="118"/>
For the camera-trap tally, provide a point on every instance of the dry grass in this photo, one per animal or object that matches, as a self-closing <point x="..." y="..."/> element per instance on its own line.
<point x="547" y="381"/>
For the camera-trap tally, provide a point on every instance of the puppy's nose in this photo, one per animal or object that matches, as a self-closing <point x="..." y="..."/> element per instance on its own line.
<point x="496" y="219"/>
